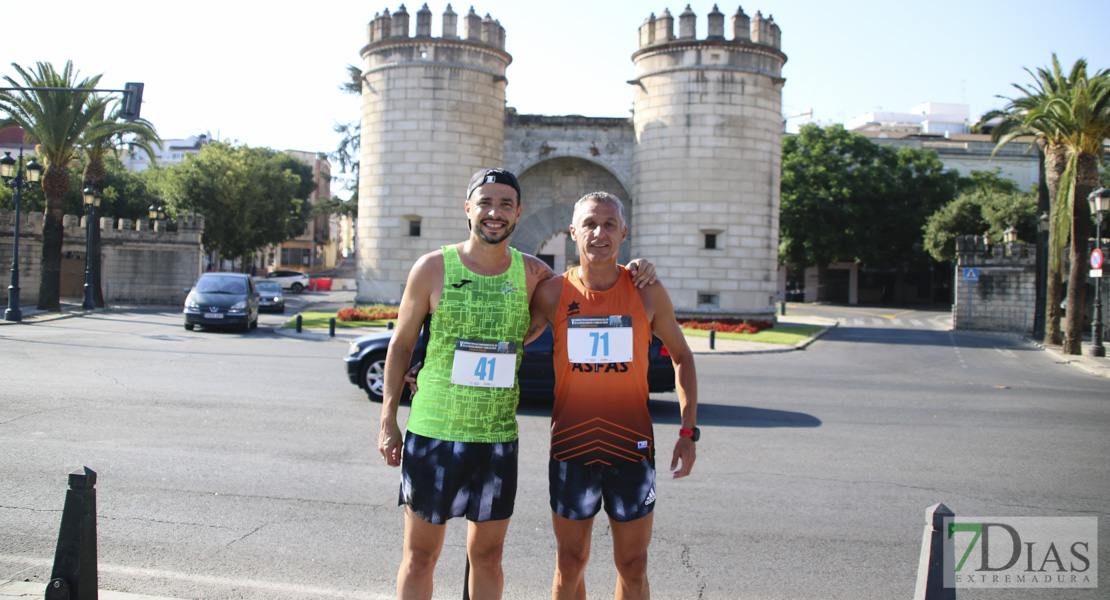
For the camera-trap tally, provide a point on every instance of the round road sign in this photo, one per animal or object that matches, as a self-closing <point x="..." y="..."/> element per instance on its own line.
<point x="1096" y="258"/>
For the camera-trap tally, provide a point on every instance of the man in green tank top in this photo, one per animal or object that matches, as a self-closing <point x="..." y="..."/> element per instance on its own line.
<point x="459" y="455"/>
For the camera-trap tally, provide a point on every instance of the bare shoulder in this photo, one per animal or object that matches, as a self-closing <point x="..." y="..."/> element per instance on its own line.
<point x="536" y="269"/>
<point x="655" y="296"/>
<point x="429" y="264"/>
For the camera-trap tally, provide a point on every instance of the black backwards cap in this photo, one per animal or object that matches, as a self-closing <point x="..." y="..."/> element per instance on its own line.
<point x="492" y="176"/>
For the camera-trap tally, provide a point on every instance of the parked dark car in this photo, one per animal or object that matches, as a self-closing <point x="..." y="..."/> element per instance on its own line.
<point x="270" y="297"/>
<point x="222" y="300"/>
<point x="366" y="366"/>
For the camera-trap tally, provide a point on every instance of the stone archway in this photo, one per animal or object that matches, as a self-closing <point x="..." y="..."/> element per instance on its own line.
<point x="549" y="190"/>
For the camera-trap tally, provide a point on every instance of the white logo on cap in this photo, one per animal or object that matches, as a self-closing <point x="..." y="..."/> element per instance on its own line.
<point x="491" y="179"/>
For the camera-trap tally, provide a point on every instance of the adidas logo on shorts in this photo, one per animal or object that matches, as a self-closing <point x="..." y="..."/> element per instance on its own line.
<point x="651" y="497"/>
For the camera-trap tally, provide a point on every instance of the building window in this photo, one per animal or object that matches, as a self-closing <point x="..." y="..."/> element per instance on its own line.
<point x="707" y="299"/>
<point x="414" y="225"/>
<point x="711" y="238"/>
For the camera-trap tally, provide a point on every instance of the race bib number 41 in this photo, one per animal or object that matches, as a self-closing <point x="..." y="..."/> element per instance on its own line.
<point x="484" y="364"/>
<point x="599" y="339"/>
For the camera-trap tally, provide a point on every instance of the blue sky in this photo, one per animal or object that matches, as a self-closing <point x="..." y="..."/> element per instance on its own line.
<point x="267" y="74"/>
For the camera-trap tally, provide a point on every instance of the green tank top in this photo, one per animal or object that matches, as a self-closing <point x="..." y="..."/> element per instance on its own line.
<point x="475" y="347"/>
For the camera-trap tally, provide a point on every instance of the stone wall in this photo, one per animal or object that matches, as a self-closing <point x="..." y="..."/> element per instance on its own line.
<point x="1004" y="297"/>
<point x="137" y="263"/>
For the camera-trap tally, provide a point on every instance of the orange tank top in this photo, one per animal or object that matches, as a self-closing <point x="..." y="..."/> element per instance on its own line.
<point x="601" y="364"/>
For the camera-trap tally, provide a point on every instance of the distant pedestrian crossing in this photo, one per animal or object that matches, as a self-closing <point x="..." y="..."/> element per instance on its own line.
<point x="932" y="323"/>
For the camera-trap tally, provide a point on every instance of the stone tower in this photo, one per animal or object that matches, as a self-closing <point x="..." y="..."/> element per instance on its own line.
<point x="433" y="113"/>
<point x="706" y="167"/>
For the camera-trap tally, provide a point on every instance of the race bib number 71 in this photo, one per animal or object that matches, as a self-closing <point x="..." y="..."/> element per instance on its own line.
<point x="599" y="339"/>
<point x="484" y="364"/>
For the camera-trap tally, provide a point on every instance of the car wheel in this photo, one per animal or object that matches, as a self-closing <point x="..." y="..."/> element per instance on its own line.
<point x="297" y="288"/>
<point x="372" y="376"/>
<point x="189" y="327"/>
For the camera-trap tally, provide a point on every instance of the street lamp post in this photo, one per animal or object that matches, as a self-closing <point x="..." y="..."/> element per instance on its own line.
<point x="92" y="204"/>
<point x="12" y="172"/>
<point x="1100" y="203"/>
<point x="157" y="213"/>
<point x="1042" y="276"/>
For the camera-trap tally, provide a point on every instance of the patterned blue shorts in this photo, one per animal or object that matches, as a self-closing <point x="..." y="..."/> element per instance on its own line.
<point x="628" y="489"/>
<point x="442" y="480"/>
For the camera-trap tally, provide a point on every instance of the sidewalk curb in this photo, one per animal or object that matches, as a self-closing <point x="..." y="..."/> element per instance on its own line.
<point x="33" y="589"/>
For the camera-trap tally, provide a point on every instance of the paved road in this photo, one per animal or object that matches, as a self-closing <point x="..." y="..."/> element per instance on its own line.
<point x="243" y="466"/>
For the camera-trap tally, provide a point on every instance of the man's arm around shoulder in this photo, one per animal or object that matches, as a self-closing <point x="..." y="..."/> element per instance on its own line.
<point x="424" y="285"/>
<point x="658" y="304"/>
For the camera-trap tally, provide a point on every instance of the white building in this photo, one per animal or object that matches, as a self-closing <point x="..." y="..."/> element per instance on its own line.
<point x="932" y="118"/>
<point x="171" y="152"/>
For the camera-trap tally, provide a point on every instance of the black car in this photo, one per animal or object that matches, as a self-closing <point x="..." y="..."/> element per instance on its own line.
<point x="366" y="365"/>
<point x="223" y="300"/>
<point x="270" y="296"/>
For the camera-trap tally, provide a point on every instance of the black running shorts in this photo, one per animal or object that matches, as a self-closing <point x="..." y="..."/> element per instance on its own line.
<point x="441" y="480"/>
<point x="628" y="489"/>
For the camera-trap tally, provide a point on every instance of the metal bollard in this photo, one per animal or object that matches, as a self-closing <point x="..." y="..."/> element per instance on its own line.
<point x="331" y="327"/>
<point x="783" y="307"/>
<point x="712" y="339"/>
<point x="74" y="574"/>
<point x="389" y="325"/>
<point x="298" y="323"/>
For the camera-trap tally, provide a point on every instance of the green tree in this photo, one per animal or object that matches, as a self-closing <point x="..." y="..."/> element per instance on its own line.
<point x="844" y="198"/>
<point x="250" y="197"/>
<point x="977" y="212"/>
<point x="56" y="121"/>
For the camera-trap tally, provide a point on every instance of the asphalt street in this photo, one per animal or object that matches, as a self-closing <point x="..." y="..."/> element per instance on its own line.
<point x="244" y="465"/>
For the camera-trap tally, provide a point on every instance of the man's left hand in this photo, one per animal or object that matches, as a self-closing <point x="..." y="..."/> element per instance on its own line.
<point x="685" y="452"/>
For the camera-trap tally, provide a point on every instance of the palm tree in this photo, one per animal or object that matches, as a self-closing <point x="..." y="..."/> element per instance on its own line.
<point x="105" y="135"/>
<point x="55" y="120"/>
<point x="1020" y="118"/>
<point x="1082" y="115"/>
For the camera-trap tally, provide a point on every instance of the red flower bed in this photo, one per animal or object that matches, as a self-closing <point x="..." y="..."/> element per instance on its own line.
<point x="727" y="325"/>
<point x="366" y="314"/>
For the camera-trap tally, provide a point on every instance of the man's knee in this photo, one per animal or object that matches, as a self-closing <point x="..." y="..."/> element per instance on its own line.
<point x="420" y="563"/>
<point x="572" y="559"/>
<point x="632" y="566"/>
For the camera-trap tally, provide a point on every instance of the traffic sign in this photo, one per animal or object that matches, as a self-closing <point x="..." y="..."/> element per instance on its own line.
<point x="1096" y="258"/>
<point x="971" y="274"/>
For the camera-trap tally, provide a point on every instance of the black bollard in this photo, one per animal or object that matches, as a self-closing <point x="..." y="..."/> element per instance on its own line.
<point x="331" y="327"/>
<point x="298" y="323"/>
<point x="389" y="325"/>
<point x="75" y="558"/>
<point x="712" y="339"/>
<point x="783" y="306"/>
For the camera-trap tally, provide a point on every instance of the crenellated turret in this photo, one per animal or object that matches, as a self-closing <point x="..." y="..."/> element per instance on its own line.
<point x="433" y="112"/>
<point x="396" y="26"/>
<point x="757" y="29"/>
<point x="707" y="116"/>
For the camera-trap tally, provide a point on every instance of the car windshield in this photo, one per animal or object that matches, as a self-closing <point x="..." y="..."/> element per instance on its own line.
<point x="221" y="285"/>
<point x="270" y="287"/>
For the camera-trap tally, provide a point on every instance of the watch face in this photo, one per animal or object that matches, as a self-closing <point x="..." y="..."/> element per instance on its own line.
<point x="697" y="434"/>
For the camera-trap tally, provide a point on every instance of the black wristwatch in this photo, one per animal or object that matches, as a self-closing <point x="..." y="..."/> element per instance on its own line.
<point x="694" y="434"/>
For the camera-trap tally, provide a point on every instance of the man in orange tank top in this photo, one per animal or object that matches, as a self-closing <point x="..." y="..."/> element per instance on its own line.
<point x="602" y="444"/>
